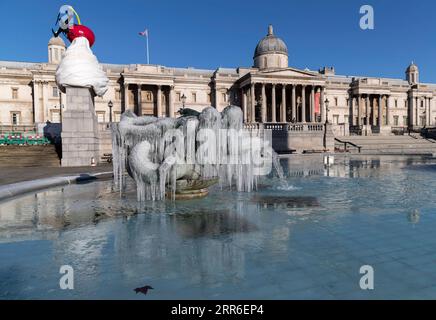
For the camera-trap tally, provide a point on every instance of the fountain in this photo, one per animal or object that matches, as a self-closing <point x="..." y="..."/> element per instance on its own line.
<point x="180" y="158"/>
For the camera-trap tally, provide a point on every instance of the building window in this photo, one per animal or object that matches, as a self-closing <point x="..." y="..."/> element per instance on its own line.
<point x="422" y="103"/>
<point x="15" y="93"/>
<point x="117" y="94"/>
<point x="16" y="118"/>
<point x="336" y="101"/>
<point x="209" y="98"/>
<point x="396" y="120"/>
<point x="194" y="97"/>
<point x="100" y="116"/>
<point x="178" y="96"/>
<point x="396" y="103"/>
<point x="336" y="119"/>
<point x="55" y="92"/>
<point x="55" y="116"/>
<point x="346" y="117"/>
<point x="148" y="96"/>
<point x="405" y="121"/>
<point x="117" y="116"/>
<point x="224" y="95"/>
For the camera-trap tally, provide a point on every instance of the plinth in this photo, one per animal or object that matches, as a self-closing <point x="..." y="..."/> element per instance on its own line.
<point x="80" y="143"/>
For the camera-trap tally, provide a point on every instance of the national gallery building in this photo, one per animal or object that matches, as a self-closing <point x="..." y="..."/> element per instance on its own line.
<point x="268" y="92"/>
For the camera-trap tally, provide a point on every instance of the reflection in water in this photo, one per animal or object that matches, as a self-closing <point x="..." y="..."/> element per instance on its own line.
<point x="210" y="223"/>
<point x="285" y="201"/>
<point x="413" y="216"/>
<point x="256" y="245"/>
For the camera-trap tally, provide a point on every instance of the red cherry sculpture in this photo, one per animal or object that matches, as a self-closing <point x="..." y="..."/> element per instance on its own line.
<point x="81" y="31"/>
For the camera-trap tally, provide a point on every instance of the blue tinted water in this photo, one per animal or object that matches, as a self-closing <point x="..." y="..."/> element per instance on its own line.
<point x="306" y="240"/>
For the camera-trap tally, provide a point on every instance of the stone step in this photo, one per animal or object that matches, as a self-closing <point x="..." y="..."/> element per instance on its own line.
<point x="29" y="156"/>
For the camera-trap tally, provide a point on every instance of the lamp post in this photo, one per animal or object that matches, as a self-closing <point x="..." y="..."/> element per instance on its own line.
<point x="183" y="101"/>
<point x="110" y="105"/>
<point x="326" y="102"/>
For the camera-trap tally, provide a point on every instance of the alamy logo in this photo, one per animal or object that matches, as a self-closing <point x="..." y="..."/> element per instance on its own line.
<point x="66" y="282"/>
<point x="367" y="20"/>
<point x="367" y="280"/>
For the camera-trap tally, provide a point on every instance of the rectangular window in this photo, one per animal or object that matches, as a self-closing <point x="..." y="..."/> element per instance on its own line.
<point x="396" y="118"/>
<point x="346" y="117"/>
<point x="178" y="96"/>
<point x="117" y="116"/>
<point x="55" y="116"/>
<point x="55" y="92"/>
<point x="100" y="116"/>
<point x="224" y="97"/>
<point x="15" y="118"/>
<point x="405" y="121"/>
<point x="336" y="101"/>
<point x="396" y="103"/>
<point x="15" y="93"/>
<point x="336" y="119"/>
<point x="117" y="94"/>
<point x="194" y="97"/>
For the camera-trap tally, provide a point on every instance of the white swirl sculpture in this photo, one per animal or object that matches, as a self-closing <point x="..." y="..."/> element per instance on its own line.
<point x="80" y="68"/>
<point x="142" y="147"/>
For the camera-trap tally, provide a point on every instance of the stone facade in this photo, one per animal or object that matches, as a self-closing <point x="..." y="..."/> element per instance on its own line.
<point x="268" y="92"/>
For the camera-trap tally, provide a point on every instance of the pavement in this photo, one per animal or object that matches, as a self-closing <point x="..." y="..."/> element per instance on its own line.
<point x="18" y="181"/>
<point x="13" y="175"/>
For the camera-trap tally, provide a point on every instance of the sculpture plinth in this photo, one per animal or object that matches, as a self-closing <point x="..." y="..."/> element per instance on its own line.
<point x="79" y="128"/>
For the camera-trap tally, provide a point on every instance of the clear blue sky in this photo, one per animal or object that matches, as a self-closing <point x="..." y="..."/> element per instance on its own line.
<point x="210" y="34"/>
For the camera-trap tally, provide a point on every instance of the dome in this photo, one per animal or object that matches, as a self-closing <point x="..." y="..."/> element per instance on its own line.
<point x="412" y="68"/>
<point x="270" y="44"/>
<point x="56" y="41"/>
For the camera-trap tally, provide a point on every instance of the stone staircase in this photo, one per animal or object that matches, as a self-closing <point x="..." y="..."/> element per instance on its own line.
<point x="29" y="156"/>
<point x="409" y="145"/>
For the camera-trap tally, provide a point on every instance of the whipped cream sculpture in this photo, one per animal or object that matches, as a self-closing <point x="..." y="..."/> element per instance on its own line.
<point x="79" y="66"/>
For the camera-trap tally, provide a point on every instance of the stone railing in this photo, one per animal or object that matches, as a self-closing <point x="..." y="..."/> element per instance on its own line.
<point x="294" y="127"/>
<point x="18" y="128"/>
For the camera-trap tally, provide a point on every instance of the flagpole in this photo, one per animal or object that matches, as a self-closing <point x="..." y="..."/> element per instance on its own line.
<point x="148" y="54"/>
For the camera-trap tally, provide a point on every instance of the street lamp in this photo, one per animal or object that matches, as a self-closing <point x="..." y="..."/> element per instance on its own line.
<point x="327" y="110"/>
<point x="183" y="101"/>
<point x="110" y="105"/>
<point x="326" y="102"/>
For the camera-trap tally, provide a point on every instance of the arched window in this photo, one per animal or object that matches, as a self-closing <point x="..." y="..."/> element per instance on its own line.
<point x="265" y="62"/>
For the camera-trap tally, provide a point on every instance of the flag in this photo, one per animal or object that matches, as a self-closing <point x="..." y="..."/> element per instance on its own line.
<point x="144" y="33"/>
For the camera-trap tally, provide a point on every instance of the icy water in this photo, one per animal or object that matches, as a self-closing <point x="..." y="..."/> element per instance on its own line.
<point x="306" y="240"/>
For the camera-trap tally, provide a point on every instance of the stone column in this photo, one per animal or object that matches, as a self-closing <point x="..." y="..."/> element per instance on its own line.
<point x="352" y="110"/>
<point x="283" y="106"/>
<point x="303" y="103"/>
<point x="322" y="109"/>
<point x="273" y="104"/>
<point x="171" y="102"/>
<point x="244" y="104"/>
<point x="159" y="101"/>
<point x="36" y="103"/>
<point x="380" y="112"/>
<point x="126" y="97"/>
<point x="45" y="94"/>
<point x="367" y="126"/>
<point x="388" y="111"/>
<point x="312" y="104"/>
<point x="294" y="104"/>
<point x="263" y="110"/>
<point x="429" y="112"/>
<point x="359" y="110"/>
<point x="253" y="102"/>
<point x="138" y="100"/>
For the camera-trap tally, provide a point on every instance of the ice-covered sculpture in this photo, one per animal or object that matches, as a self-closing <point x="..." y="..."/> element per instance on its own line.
<point x="169" y="156"/>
